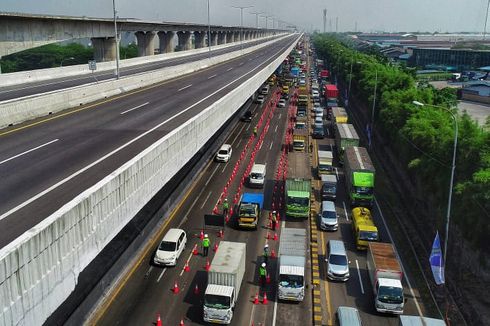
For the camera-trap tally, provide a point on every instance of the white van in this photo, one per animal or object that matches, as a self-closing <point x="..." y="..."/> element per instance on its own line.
<point x="328" y="218"/>
<point x="348" y="316"/>
<point x="224" y="153"/>
<point x="337" y="261"/>
<point x="256" y="178"/>
<point x="171" y="247"/>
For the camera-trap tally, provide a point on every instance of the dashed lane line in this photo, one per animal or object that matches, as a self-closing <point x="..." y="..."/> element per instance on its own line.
<point x="161" y="275"/>
<point x="345" y="211"/>
<point x="360" y="278"/>
<point x="28" y="151"/>
<point x="135" y="108"/>
<point x="185" y="87"/>
<point x="206" y="200"/>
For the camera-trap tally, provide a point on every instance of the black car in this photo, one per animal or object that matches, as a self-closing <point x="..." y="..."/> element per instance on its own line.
<point x="247" y="116"/>
<point x="318" y="132"/>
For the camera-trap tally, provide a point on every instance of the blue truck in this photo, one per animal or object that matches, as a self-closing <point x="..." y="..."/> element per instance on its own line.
<point x="249" y="210"/>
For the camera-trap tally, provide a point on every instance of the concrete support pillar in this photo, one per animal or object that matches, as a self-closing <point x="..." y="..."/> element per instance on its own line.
<point x="221" y="38"/>
<point x="199" y="38"/>
<point x="237" y="36"/>
<point x="104" y="48"/>
<point x="214" y="38"/>
<point x="166" y="44"/>
<point x="184" y="40"/>
<point x="230" y="37"/>
<point x="145" y="43"/>
<point x="246" y="35"/>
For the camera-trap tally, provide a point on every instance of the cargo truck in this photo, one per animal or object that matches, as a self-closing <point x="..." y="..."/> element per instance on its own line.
<point x="345" y="136"/>
<point x="420" y="321"/>
<point x="292" y="262"/>
<point x="331" y="92"/>
<point x="329" y="187"/>
<point x="359" y="176"/>
<point x="339" y="115"/>
<point x="249" y="210"/>
<point x="224" y="281"/>
<point x="363" y="227"/>
<point x="298" y="185"/>
<point x="325" y="163"/>
<point x="300" y="139"/>
<point x="386" y="276"/>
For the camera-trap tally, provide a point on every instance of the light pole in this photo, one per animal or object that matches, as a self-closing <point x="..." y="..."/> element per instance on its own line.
<point x="64" y="59"/>
<point x="117" y="39"/>
<point x="241" y="22"/>
<point x="256" y="18"/>
<point x="453" y="167"/>
<point x="374" y="99"/>
<point x="209" y="33"/>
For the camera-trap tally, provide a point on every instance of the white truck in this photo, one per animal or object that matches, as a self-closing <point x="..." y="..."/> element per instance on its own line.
<point x="325" y="163"/>
<point x="386" y="277"/>
<point x="292" y="262"/>
<point x="224" y="281"/>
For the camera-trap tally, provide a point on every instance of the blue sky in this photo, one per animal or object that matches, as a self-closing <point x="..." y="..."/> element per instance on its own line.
<point x="370" y="15"/>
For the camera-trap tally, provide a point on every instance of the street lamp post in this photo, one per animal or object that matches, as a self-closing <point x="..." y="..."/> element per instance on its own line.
<point x="117" y="39"/>
<point x="241" y="22"/>
<point x="453" y="168"/>
<point x="350" y="81"/>
<point x="64" y="59"/>
<point x="374" y="99"/>
<point x="209" y="33"/>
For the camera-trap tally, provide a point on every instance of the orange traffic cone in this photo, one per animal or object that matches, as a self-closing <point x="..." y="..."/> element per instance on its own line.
<point x="194" y="251"/>
<point x="159" y="321"/>
<point x="215" y="247"/>
<point x="275" y="236"/>
<point x="268" y="235"/>
<point x="256" y="299"/>
<point x="215" y="210"/>
<point x="208" y="266"/>
<point x="264" y="300"/>
<point x="182" y="322"/>
<point x="220" y="233"/>
<point x="201" y="235"/>
<point x="176" y="289"/>
<point x="268" y="279"/>
<point x="273" y="254"/>
<point x="186" y="267"/>
<point x="196" y="289"/>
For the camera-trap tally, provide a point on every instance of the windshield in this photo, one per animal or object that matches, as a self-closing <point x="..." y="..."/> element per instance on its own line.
<point x="247" y="210"/>
<point x="167" y="246"/>
<point x="328" y="214"/>
<point x="298" y="201"/>
<point x="324" y="166"/>
<point x="291" y="281"/>
<point x="368" y="235"/>
<point x="223" y="152"/>
<point x="389" y="294"/>
<point x="298" y="144"/>
<point x="216" y="301"/>
<point x="363" y="190"/>
<point x="338" y="260"/>
<point x="256" y="176"/>
<point x="300" y="125"/>
<point x="329" y="189"/>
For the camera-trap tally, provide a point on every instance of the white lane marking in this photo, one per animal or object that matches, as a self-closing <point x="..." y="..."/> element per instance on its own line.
<point x="224" y="167"/>
<point x="181" y="89"/>
<point x="136" y="107"/>
<point x="270" y="147"/>
<point x="187" y="262"/>
<point x="252" y="314"/>
<point x="331" y="148"/>
<point x="337" y="173"/>
<point x="190" y="208"/>
<point x="360" y="279"/>
<point x="241" y="63"/>
<point x="28" y="151"/>
<point x="275" y="130"/>
<point x="396" y="252"/>
<point x="239" y="142"/>
<point x="229" y="69"/>
<point x="212" y="76"/>
<point x="149" y="271"/>
<point x="238" y="134"/>
<point x="345" y="211"/>
<point x="274" y="315"/>
<point x="280" y="115"/>
<point x="206" y="200"/>
<point x="56" y="185"/>
<point x="250" y="59"/>
<point x="161" y="274"/>
<point x="248" y="127"/>
<point x="212" y="174"/>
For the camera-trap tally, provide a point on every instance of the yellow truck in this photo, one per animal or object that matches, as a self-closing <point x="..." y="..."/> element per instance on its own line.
<point x="339" y="115"/>
<point x="363" y="227"/>
<point x="300" y="139"/>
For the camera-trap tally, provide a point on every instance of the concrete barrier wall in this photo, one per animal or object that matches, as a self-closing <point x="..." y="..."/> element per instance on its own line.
<point x="40" y="268"/>
<point x="19" y="110"/>
<point x="23" y="77"/>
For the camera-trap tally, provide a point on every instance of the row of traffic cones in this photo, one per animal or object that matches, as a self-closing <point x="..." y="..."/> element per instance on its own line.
<point x="264" y="298"/>
<point x="159" y="321"/>
<point x="275" y="237"/>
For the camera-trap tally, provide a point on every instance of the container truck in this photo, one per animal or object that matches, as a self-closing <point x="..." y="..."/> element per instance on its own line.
<point x="339" y="115"/>
<point x="298" y="185"/>
<point x="345" y="136"/>
<point x="386" y="276"/>
<point x="325" y="163"/>
<point x="324" y="74"/>
<point x="331" y="92"/>
<point x="359" y="176"/>
<point x="300" y="139"/>
<point x="363" y="227"/>
<point x="249" y="210"/>
<point x="224" y="281"/>
<point x="420" y="321"/>
<point x="292" y="263"/>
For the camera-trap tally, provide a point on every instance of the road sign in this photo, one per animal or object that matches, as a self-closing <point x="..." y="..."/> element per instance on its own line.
<point x="92" y="65"/>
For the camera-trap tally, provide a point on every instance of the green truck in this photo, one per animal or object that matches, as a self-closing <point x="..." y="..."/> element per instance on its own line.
<point x="298" y="185"/>
<point x="359" y="176"/>
<point x="345" y="136"/>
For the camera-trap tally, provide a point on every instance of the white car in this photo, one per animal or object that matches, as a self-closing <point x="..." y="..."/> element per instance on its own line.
<point x="170" y="248"/>
<point x="302" y="82"/>
<point x="260" y="99"/>
<point x="224" y="153"/>
<point x="281" y="103"/>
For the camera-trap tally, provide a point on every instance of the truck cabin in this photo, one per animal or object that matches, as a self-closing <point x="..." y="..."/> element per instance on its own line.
<point x="219" y="297"/>
<point x="390" y="291"/>
<point x="289" y="278"/>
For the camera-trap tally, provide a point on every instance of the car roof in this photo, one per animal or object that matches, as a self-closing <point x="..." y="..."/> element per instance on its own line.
<point x="328" y="205"/>
<point x="337" y="247"/>
<point x="172" y="235"/>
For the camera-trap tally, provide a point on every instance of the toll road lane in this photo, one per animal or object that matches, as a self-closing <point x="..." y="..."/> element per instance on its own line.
<point x="93" y="139"/>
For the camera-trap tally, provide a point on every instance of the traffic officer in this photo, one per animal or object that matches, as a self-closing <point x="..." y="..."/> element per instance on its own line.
<point x="255" y="131"/>
<point x="226" y="207"/>
<point x="266" y="253"/>
<point x="205" y="245"/>
<point x="274" y="220"/>
<point x="263" y="274"/>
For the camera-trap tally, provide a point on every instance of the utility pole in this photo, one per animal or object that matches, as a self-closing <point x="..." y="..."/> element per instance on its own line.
<point x="117" y="39"/>
<point x="256" y="18"/>
<point x="337" y="24"/>
<point x="324" y="20"/>
<point x="486" y="19"/>
<point x="241" y="22"/>
<point x="209" y="33"/>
